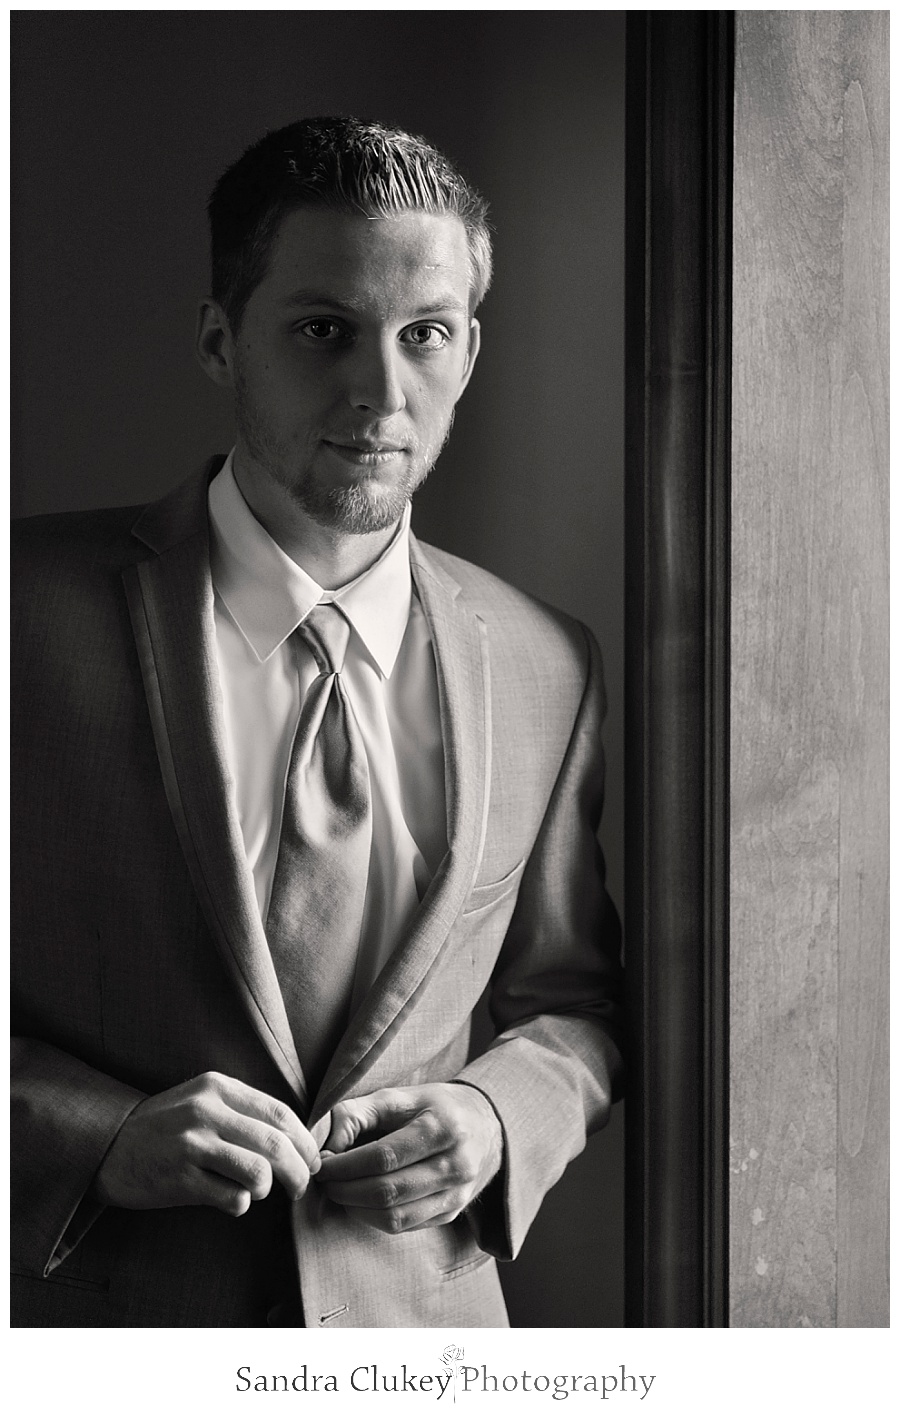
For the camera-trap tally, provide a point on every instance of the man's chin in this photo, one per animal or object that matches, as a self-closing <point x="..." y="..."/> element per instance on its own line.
<point x="356" y="510"/>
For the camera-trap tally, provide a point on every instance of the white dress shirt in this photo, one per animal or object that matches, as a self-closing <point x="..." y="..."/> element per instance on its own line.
<point x="389" y="678"/>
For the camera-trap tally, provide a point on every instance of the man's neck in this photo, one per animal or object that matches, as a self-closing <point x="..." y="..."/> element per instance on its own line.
<point x="329" y="555"/>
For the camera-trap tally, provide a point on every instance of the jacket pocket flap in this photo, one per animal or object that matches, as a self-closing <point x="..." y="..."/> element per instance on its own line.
<point x="487" y="893"/>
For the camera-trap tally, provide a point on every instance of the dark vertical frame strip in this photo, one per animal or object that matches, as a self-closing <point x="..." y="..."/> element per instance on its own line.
<point x="678" y="369"/>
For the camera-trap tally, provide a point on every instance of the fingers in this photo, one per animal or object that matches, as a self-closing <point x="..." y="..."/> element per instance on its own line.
<point x="434" y="1211"/>
<point x="253" y="1152"/>
<point x="270" y="1154"/>
<point x="209" y="1190"/>
<point x="213" y="1141"/>
<point x="377" y="1114"/>
<point x="426" y="1194"/>
<point x="254" y="1104"/>
<point x="248" y="1136"/>
<point x="435" y="1174"/>
<point x="425" y="1134"/>
<point x="436" y="1146"/>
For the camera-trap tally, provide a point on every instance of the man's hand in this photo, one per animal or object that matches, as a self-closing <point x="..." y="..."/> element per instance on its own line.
<point x="403" y="1159"/>
<point x="211" y="1142"/>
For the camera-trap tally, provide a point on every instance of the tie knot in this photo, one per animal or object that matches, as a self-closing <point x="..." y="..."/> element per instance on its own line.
<point x="326" y="631"/>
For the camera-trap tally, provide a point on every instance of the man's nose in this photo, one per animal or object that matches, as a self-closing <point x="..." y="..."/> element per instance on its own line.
<point x="375" y="382"/>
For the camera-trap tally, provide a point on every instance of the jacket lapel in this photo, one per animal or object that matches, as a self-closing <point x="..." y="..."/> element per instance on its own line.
<point x="463" y="671"/>
<point x="170" y="598"/>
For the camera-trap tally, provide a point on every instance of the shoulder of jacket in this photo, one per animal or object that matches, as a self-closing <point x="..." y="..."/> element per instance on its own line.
<point x="68" y="537"/>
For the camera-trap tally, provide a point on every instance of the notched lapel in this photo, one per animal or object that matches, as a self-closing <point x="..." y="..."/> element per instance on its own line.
<point x="463" y="672"/>
<point x="170" y="598"/>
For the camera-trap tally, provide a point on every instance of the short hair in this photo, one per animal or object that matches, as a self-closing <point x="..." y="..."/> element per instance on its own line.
<point x="346" y="164"/>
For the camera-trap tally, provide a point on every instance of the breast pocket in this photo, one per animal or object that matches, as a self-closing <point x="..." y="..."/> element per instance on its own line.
<point x="489" y="894"/>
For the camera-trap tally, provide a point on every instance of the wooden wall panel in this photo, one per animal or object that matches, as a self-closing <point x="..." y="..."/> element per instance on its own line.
<point x="808" y="1214"/>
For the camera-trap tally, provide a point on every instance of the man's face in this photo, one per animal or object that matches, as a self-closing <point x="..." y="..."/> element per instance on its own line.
<point x="349" y="359"/>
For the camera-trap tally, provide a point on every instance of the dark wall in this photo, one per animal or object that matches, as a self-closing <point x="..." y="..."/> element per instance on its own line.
<point x="121" y="123"/>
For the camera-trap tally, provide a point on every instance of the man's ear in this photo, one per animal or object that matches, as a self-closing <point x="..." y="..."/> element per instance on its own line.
<point x="214" y="344"/>
<point x="471" y="353"/>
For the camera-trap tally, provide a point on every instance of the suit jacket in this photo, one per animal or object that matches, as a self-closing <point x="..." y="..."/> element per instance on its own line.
<point x="139" y="958"/>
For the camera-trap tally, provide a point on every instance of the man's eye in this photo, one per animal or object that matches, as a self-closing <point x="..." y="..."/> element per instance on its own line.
<point x="426" y="337"/>
<point x="321" y="329"/>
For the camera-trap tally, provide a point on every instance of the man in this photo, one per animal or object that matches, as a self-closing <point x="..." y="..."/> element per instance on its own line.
<point x="292" y="791"/>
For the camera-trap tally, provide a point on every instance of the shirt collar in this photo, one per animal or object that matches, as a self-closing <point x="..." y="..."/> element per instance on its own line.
<point x="268" y="595"/>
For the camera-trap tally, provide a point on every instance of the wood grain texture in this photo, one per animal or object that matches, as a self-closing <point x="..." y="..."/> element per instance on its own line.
<point x="809" y="1101"/>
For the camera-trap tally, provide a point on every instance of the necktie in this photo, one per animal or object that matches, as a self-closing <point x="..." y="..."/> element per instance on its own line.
<point x="319" y="888"/>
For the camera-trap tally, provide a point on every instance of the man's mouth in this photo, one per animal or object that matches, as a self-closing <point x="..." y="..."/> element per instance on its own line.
<point x="364" y="451"/>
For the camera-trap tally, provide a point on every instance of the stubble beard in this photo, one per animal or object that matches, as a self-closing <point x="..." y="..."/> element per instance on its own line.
<point x="367" y="505"/>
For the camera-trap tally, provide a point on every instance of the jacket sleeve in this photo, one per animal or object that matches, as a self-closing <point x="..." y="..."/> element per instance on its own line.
<point x="64" y="1117"/>
<point x="554" y="1068"/>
